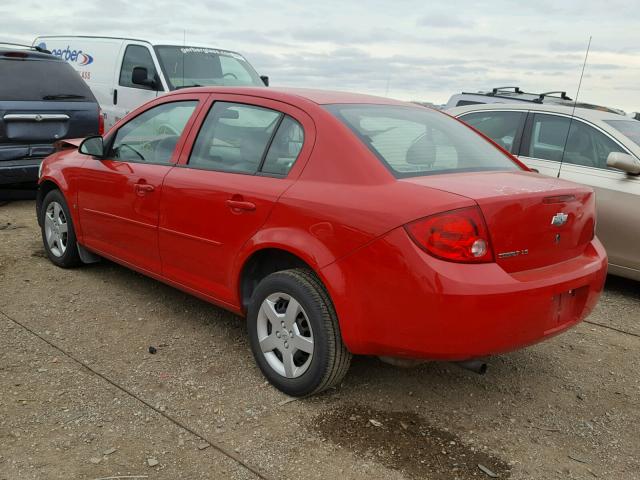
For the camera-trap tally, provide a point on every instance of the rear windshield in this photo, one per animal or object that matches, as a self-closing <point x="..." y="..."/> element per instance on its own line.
<point x="629" y="128"/>
<point x="417" y="141"/>
<point x="49" y="80"/>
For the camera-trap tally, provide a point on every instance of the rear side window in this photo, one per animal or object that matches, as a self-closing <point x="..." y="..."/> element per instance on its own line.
<point x="417" y="141"/>
<point x="35" y="80"/>
<point x="548" y="137"/>
<point x="136" y="56"/>
<point x="241" y="138"/>
<point x="285" y="147"/>
<point x="501" y="127"/>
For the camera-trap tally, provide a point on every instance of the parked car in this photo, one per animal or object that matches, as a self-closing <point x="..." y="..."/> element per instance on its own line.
<point x="42" y="100"/>
<point x="338" y="223"/>
<point x="517" y="95"/>
<point x="124" y="73"/>
<point x="602" y="151"/>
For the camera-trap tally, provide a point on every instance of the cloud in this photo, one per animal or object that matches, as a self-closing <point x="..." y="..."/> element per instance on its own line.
<point x="420" y="51"/>
<point x="442" y="20"/>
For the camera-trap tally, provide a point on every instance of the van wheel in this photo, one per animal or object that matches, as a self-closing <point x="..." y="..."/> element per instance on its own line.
<point x="294" y="333"/>
<point x="58" y="235"/>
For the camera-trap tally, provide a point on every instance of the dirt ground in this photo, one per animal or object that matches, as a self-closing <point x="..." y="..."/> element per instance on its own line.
<point x="81" y="397"/>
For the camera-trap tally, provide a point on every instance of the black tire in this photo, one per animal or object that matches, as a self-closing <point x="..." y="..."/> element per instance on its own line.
<point x="330" y="360"/>
<point x="70" y="258"/>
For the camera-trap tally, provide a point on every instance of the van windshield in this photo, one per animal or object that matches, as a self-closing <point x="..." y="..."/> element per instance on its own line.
<point x="195" y="66"/>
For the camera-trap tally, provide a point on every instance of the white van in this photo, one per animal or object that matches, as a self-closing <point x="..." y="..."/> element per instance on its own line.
<point x="124" y="73"/>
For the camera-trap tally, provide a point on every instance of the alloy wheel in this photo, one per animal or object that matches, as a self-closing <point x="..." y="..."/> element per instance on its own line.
<point x="56" y="229"/>
<point x="285" y="335"/>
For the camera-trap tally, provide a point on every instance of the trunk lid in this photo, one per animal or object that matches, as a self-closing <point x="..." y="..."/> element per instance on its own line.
<point x="533" y="221"/>
<point x="29" y="128"/>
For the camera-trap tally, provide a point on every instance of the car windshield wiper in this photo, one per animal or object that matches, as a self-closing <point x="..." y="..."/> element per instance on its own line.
<point x="188" y="86"/>
<point x="62" y="96"/>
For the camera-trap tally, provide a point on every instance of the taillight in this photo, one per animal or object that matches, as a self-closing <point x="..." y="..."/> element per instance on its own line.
<point x="457" y="235"/>
<point x="100" y="122"/>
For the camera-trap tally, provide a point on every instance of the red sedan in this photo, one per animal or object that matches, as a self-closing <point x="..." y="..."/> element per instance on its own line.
<point x="339" y="224"/>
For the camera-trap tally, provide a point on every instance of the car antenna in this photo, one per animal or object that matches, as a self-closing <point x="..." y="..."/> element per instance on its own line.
<point x="184" y="46"/>
<point x="573" y="111"/>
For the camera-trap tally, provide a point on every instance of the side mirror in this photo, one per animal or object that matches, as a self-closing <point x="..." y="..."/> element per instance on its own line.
<point x="93" y="146"/>
<point x="265" y="80"/>
<point x="140" y="76"/>
<point x="624" y="161"/>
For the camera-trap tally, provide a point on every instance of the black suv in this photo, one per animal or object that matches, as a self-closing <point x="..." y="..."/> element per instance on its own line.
<point x="42" y="100"/>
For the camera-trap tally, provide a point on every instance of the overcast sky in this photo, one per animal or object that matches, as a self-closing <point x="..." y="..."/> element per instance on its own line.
<point x="412" y="50"/>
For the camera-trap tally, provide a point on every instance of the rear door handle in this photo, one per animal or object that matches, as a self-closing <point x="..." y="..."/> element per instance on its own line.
<point x="143" y="188"/>
<point x="241" y="205"/>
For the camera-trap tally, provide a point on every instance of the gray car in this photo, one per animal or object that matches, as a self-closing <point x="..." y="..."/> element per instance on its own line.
<point x="42" y="100"/>
<point x="596" y="148"/>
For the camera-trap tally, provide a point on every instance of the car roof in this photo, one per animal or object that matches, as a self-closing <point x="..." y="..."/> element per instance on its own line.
<point x="320" y="97"/>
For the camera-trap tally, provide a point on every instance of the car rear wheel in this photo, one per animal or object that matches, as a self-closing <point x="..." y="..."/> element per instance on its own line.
<point x="58" y="234"/>
<point x="294" y="333"/>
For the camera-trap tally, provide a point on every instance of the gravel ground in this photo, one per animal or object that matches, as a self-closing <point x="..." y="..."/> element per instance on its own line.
<point x="81" y="396"/>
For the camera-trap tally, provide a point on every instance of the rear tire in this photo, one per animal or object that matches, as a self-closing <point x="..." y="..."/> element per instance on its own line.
<point x="58" y="234"/>
<point x="294" y="333"/>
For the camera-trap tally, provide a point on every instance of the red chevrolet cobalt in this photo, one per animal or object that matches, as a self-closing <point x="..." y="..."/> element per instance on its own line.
<point x="338" y="224"/>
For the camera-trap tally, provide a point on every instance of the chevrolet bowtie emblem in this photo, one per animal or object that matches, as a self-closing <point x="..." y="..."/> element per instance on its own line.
<point x="559" y="219"/>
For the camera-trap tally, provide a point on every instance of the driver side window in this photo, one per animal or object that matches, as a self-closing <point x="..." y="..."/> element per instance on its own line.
<point x="152" y="136"/>
<point x="136" y="56"/>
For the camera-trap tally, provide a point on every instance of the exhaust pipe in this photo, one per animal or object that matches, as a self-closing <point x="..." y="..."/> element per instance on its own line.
<point x="477" y="366"/>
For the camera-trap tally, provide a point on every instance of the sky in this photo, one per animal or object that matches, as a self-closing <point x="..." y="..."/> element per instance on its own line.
<point x="405" y="49"/>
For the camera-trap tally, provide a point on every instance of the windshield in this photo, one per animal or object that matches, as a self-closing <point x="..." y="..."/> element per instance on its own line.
<point x="418" y="141"/>
<point x="194" y="66"/>
<point x="629" y="128"/>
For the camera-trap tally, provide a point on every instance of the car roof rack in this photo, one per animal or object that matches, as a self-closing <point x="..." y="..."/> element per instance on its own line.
<point x="495" y="91"/>
<point x="563" y="96"/>
<point x="519" y="95"/>
<point x="31" y="47"/>
<point x="514" y="93"/>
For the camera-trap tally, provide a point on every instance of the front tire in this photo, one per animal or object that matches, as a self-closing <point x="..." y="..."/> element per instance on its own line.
<point x="294" y="333"/>
<point x="58" y="234"/>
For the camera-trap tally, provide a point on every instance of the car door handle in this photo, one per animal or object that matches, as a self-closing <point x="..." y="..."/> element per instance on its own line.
<point x="142" y="188"/>
<point x="241" y="205"/>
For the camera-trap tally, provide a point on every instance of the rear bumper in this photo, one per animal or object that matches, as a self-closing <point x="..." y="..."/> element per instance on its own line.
<point x="19" y="171"/>
<point x="393" y="299"/>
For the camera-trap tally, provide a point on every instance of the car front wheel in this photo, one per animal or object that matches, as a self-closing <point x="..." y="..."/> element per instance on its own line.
<point x="294" y="333"/>
<point x="58" y="235"/>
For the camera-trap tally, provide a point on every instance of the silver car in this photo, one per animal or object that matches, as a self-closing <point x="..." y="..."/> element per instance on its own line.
<point x="595" y="148"/>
